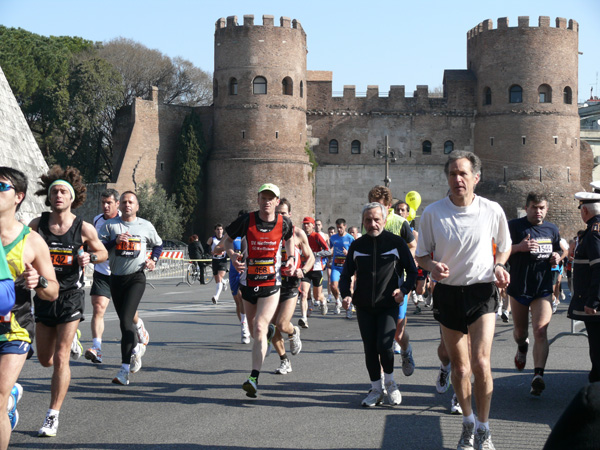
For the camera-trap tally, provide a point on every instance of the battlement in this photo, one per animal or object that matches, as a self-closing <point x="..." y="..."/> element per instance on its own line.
<point x="523" y="22"/>
<point x="268" y="21"/>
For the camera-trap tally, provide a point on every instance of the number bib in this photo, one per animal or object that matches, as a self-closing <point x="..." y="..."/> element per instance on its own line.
<point x="263" y="261"/>
<point x="339" y="261"/>
<point x="544" y="249"/>
<point x="129" y="249"/>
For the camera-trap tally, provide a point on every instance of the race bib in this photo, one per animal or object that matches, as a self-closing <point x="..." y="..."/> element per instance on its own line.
<point x="129" y="249"/>
<point x="544" y="249"/>
<point x="261" y="269"/>
<point x="339" y="261"/>
<point x="61" y="257"/>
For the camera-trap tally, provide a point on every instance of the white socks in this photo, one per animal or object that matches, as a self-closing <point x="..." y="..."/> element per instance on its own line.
<point x="388" y="378"/>
<point x="377" y="385"/>
<point x="97" y="343"/>
<point x="219" y="290"/>
<point x="469" y="419"/>
<point x="125" y="367"/>
<point x="52" y="412"/>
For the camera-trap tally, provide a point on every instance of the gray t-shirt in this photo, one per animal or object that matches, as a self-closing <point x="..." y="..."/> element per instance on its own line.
<point x="129" y="257"/>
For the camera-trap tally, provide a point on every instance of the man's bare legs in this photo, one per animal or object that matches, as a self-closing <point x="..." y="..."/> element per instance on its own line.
<point x="54" y="349"/>
<point x="10" y="368"/>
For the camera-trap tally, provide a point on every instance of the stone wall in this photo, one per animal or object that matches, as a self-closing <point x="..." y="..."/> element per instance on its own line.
<point x="19" y="150"/>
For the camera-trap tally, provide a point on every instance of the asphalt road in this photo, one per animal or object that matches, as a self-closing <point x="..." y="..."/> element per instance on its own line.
<point x="188" y="393"/>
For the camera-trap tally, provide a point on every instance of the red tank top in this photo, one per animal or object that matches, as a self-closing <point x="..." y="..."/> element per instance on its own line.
<point x="264" y="258"/>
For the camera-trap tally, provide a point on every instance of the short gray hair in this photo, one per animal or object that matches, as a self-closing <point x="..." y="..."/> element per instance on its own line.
<point x="374" y="205"/>
<point x="460" y="154"/>
<point x="593" y="208"/>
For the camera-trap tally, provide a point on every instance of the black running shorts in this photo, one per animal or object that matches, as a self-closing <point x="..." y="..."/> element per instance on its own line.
<point x="315" y="277"/>
<point x="101" y="285"/>
<point x="457" y="307"/>
<point x="252" y="294"/>
<point x="289" y="289"/>
<point x="68" y="307"/>
<point x="219" y="265"/>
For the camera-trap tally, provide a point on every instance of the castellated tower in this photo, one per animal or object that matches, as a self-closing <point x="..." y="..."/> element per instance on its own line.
<point x="259" y="117"/>
<point x="527" y="125"/>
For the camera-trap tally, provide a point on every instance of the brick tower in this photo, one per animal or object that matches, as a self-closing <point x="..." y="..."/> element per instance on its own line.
<point x="259" y="117"/>
<point x="527" y="125"/>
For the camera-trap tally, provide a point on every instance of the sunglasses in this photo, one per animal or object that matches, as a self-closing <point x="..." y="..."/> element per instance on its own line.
<point x="5" y="187"/>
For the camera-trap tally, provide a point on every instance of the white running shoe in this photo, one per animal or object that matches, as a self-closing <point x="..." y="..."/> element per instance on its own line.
<point x="142" y="333"/>
<point x="393" y="393"/>
<point x="443" y="380"/>
<point x="295" y="342"/>
<point x="76" y="348"/>
<point x="413" y="297"/>
<point x="285" y="366"/>
<point x="329" y="298"/>
<point x="349" y="313"/>
<point x="136" y="358"/>
<point x="467" y="437"/>
<point x="408" y="363"/>
<point x="225" y="283"/>
<point x="324" y="308"/>
<point x="50" y="427"/>
<point x="122" y="377"/>
<point x="397" y="348"/>
<point x="303" y="322"/>
<point x="338" y="307"/>
<point x="455" y="406"/>
<point x="245" y="332"/>
<point x="374" y="397"/>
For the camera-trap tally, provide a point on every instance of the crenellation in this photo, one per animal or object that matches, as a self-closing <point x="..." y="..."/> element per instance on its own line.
<point x="372" y="91"/>
<point x="232" y="21"/>
<point x="248" y="20"/>
<point x="220" y="23"/>
<point x="285" y="22"/>
<point x="502" y="23"/>
<point x="523" y="21"/>
<point x="349" y="91"/>
<point x="422" y="91"/>
<point x="573" y="25"/>
<point x="488" y="24"/>
<point x="561" y="22"/>
<point x="544" y="21"/>
<point x="268" y="20"/>
<point x="296" y="25"/>
<point x="397" y="92"/>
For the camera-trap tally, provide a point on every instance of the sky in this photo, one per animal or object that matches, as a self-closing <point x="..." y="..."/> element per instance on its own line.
<point x="379" y="42"/>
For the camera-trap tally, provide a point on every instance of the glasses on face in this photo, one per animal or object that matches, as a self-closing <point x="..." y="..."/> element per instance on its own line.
<point x="5" y="187"/>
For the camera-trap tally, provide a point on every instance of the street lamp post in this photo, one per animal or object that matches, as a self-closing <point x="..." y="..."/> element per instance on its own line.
<point x="388" y="156"/>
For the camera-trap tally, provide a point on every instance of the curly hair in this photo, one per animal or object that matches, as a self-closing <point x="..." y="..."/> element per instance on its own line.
<point x="381" y="194"/>
<point x="70" y="174"/>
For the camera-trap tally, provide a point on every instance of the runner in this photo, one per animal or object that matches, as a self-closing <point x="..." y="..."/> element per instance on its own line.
<point x="536" y="248"/>
<point x="100" y="291"/>
<point x="378" y="259"/>
<point x="399" y="226"/>
<point x="73" y="244"/>
<point x="319" y="247"/>
<point x="458" y="231"/>
<point x="195" y="252"/>
<point x="339" y="243"/>
<point x="127" y="238"/>
<point x="289" y="294"/>
<point x="260" y="266"/>
<point x="31" y="268"/>
<point x="219" y="262"/>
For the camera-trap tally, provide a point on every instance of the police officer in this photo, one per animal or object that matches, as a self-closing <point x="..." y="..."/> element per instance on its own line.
<point x="585" y="304"/>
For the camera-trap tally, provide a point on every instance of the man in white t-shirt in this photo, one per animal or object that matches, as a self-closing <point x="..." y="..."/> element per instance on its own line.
<point x="455" y="245"/>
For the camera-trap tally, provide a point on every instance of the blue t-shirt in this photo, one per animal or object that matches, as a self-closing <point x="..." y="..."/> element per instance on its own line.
<point x="237" y="247"/>
<point x="338" y="244"/>
<point x="530" y="272"/>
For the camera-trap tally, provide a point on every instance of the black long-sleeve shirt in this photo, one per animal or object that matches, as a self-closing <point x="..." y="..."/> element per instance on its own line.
<point x="379" y="263"/>
<point x="586" y="273"/>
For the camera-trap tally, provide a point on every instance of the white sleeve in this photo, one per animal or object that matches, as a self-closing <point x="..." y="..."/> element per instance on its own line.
<point x="426" y="241"/>
<point x="502" y="237"/>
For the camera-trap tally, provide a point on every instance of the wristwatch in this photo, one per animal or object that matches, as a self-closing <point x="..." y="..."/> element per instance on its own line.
<point x="93" y="257"/>
<point x="42" y="283"/>
<point x="154" y="258"/>
<point x="500" y="265"/>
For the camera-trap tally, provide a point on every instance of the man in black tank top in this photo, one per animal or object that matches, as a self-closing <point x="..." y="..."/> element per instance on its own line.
<point x="73" y="244"/>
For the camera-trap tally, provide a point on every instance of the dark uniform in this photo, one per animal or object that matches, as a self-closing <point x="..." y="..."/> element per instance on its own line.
<point x="586" y="289"/>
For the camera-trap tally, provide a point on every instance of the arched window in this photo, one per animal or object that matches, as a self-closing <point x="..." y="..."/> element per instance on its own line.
<point x="259" y="85"/>
<point x="545" y="93"/>
<point x="568" y="95"/>
<point x="233" y="85"/>
<point x="287" y="86"/>
<point x="301" y="89"/>
<point x="215" y="88"/>
<point x="448" y="147"/>
<point x="427" y="147"/>
<point x="333" y="146"/>
<point x="515" y="94"/>
<point x="487" y="96"/>
<point x="355" y="148"/>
